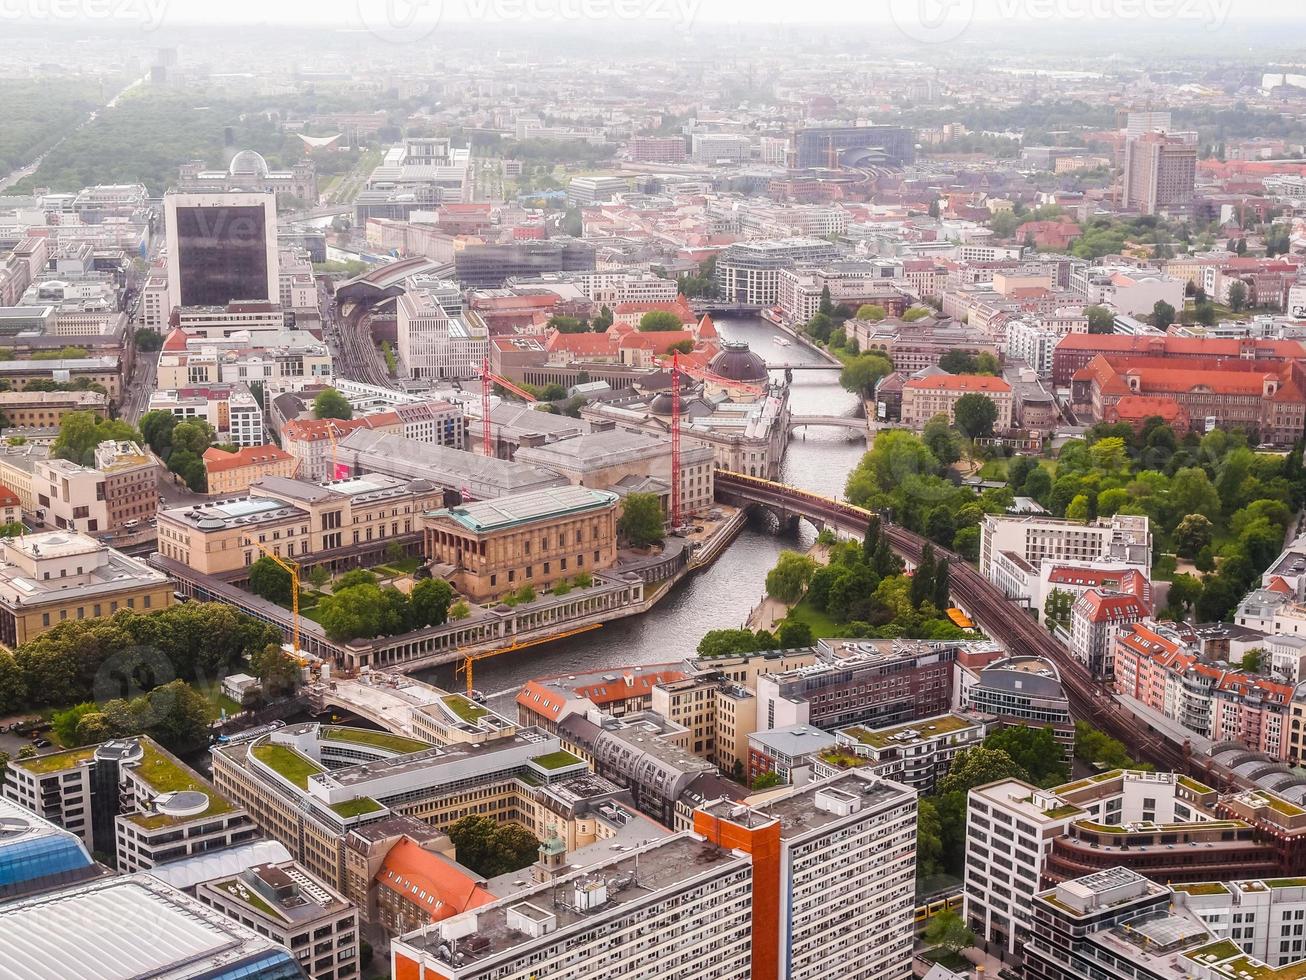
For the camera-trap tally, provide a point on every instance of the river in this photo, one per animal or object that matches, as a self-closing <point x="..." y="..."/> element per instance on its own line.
<point x="723" y="595"/>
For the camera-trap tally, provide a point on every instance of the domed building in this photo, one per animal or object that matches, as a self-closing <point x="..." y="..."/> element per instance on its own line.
<point x="250" y="172"/>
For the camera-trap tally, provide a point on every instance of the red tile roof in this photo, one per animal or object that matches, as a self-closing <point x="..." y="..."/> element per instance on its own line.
<point x="431" y="881"/>
<point x="8" y="498"/>
<point x="316" y="430"/>
<point x="218" y="461"/>
<point x="959" y="382"/>
<point x="1109" y="607"/>
<point x="176" y="340"/>
<point x="1189" y="346"/>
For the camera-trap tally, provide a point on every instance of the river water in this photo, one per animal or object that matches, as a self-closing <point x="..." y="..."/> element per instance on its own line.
<point x="723" y="595"/>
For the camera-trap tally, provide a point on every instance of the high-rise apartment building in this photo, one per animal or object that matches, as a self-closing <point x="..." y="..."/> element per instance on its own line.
<point x="1160" y="173"/>
<point x="819" y="885"/>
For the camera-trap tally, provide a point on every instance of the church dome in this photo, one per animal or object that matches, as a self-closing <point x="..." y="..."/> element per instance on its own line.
<point x="736" y="362"/>
<point x="247" y="163"/>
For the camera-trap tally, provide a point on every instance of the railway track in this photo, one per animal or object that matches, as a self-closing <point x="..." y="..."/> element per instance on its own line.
<point x="988" y="605"/>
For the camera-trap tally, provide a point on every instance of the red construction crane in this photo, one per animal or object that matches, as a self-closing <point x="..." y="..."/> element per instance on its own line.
<point x="488" y="381"/>
<point x="675" y="441"/>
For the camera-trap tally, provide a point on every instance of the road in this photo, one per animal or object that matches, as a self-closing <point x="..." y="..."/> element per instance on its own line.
<point x="137" y="388"/>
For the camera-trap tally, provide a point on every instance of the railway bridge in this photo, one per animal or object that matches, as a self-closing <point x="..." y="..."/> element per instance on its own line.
<point x="993" y="611"/>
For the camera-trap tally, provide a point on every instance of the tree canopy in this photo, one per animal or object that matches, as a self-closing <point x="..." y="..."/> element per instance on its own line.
<point x="330" y="404"/>
<point x="641" y="523"/>
<point x="659" y="321"/>
<point x="490" y="848"/>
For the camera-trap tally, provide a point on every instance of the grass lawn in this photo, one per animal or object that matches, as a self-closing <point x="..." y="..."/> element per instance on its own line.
<point x="952" y="961"/>
<point x="356" y="807"/>
<point x="820" y="624"/>
<point x="287" y="762"/>
<point x="468" y="711"/>
<point x="394" y="569"/>
<point x="996" y="469"/>
<point x="555" y="760"/>
<point x="379" y="740"/>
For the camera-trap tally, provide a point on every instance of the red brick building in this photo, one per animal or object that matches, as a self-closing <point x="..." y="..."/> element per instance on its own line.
<point x="1077" y="349"/>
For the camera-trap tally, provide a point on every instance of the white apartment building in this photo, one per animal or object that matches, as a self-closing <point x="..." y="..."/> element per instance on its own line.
<point x="1122" y="538"/>
<point x="1032" y="343"/>
<point x="749" y="272"/>
<point x="223" y="323"/>
<point x="800" y="289"/>
<point x="818" y="885"/>
<point x="434" y="345"/>
<point x="232" y="411"/>
<point x="720" y="148"/>
<point x="1009" y="830"/>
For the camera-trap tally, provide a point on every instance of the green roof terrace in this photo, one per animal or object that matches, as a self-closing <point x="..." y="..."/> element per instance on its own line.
<point x="909" y="734"/>
<point x="295" y="767"/>
<point x="371" y="739"/>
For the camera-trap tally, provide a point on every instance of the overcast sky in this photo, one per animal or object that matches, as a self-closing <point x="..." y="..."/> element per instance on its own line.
<point x="933" y="13"/>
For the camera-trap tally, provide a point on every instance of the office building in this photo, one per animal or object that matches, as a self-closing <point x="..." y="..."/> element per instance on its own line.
<point x="723" y="148"/>
<point x="857" y="146"/>
<point x="50" y="577"/>
<point x="231" y="409"/>
<point x="46" y="409"/>
<point x="817" y="885"/>
<point x="538" y="538"/>
<point x="596" y="190"/>
<point x="1122" y="539"/>
<point x="938" y="394"/>
<point x="289" y="906"/>
<point x="119" y="492"/>
<point x="915" y="754"/>
<point x="749" y="272"/>
<point x="434" y="344"/>
<point x="222" y="248"/>
<point x="296" y="519"/>
<point x="1160" y="172"/>
<point x="233" y="473"/>
<point x="129" y="798"/>
<point x="1021" y="692"/>
<point x="656" y="149"/>
<point x="133" y="928"/>
<point x="860" y="682"/>
<point x="490" y="266"/>
<point x="105" y="371"/>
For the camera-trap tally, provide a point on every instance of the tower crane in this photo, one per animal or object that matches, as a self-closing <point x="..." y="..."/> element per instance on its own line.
<point x="470" y="659"/>
<point x="488" y="381"/>
<point x="293" y="568"/>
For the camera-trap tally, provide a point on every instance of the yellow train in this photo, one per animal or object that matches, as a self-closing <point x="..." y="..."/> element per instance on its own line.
<point x="930" y="909"/>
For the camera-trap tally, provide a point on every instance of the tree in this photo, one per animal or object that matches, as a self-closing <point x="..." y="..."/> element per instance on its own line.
<point x="429" y="603"/>
<point x="871" y="311"/>
<point x="942" y="439"/>
<point x="13" y="687"/>
<point x="1163" y="314"/>
<point x="276" y="670"/>
<point x="957" y="361"/>
<point x="330" y="404"/>
<point x="1100" y="320"/>
<point x="659" y="321"/>
<point x="966" y="542"/>
<point x="1238" y="296"/>
<point x="1057" y="607"/>
<point x="977" y="766"/>
<point x="361" y="610"/>
<point x="148" y="340"/>
<point x="271" y="581"/>
<point x="1078" y="509"/>
<point x="355" y="576"/>
<point x="459" y="610"/>
<point x="1038" y="485"/>
<point x="725" y="643"/>
<point x="948" y="931"/>
<point x="156" y="427"/>
<point x="64" y="723"/>
<point x="193" y="435"/>
<point x="929" y="839"/>
<point x="1096" y="748"/>
<point x="767" y="780"/>
<point x="787" y="580"/>
<point x="861" y="374"/>
<point x="794" y="635"/>
<point x="1185" y="590"/>
<point x="975" y="415"/>
<point x="1191" y="492"/>
<point x="986" y="363"/>
<point x="490" y="848"/>
<point x="641" y="521"/>
<point x="1036" y="749"/>
<point x="1193" y="534"/>
<point x="81" y="432"/>
<point x="1253" y="661"/>
<point x="176" y="715"/>
<point x="916" y="313"/>
<point x="942" y="597"/>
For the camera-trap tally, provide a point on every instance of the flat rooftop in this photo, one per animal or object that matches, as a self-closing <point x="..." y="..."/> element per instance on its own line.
<point x="531" y="507"/>
<point x="660" y="866"/>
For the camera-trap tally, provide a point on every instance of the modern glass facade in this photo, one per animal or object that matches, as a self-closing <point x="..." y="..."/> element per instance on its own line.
<point x="28" y="861"/>
<point x="222" y="255"/>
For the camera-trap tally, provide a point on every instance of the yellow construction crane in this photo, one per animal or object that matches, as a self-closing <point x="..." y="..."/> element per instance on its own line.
<point x="470" y="659"/>
<point x="293" y="568"/>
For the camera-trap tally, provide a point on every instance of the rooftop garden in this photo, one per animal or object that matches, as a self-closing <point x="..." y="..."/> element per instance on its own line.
<point x="356" y="807"/>
<point x="1194" y="785"/>
<point x="55" y="761"/>
<point x="1203" y="888"/>
<point x="1286" y="882"/>
<point x="556" y="760"/>
<point x="1214" y="952"/>
<point x="841" y="759"/>
<point x="926" y="728"/>
<point x="466" y="709"/>
<point x="1279" y="805"/>
<point x="1065" y="810"/>
<point x="287" y="763"/>
<point x="377" y="740"/>
<point x="165" y="775"/>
